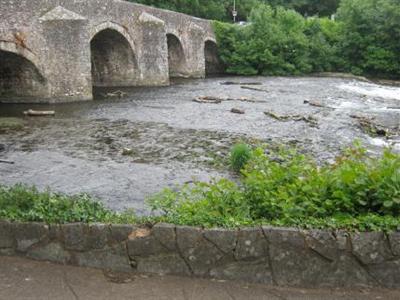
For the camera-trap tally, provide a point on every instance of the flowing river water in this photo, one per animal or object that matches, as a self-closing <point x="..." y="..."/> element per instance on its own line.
<point x="170" y="139"/>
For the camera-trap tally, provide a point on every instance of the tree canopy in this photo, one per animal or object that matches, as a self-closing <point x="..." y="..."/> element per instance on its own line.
<point x="221" y="10"/>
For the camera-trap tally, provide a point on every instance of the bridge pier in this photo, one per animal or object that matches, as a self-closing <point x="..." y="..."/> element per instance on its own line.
<point x="153" y="53"/>
<point x="68" y="68"/>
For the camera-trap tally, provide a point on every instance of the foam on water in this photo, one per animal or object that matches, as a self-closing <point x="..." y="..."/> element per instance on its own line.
<point x="371" y="89"/>
<point x="383" y="143"/>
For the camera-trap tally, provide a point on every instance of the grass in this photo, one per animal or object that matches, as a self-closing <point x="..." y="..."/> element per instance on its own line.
<point x="25" y="203"/>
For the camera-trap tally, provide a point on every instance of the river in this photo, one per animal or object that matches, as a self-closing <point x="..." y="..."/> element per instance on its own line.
<point x="171" y="139"/>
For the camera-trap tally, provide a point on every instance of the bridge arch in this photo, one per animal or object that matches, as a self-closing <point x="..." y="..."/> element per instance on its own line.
<point x="113" y="56"/>
<point x="176" y="56"/>
<point x="212" y="63"/>
<point x="20" y="76"/>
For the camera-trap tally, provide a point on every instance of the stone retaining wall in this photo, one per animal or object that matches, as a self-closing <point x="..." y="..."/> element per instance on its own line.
<point x="274" y="256"/>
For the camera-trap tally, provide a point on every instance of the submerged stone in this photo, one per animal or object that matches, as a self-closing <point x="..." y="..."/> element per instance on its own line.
<point x="11" y="124"/>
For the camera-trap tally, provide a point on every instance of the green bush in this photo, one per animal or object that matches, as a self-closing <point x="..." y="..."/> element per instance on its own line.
<point x="239" y="156"/>
<point x="358" y="192"/>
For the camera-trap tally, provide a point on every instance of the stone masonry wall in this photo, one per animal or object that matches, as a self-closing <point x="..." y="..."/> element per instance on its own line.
<point x="55" y="36"/>
<point x="274" y="256"/>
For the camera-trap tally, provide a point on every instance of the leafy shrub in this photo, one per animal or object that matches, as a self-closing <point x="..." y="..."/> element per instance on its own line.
<point x="240" y="155"/>
<point x="354" y="185"/>
<point x="357" y="191"/>
<point x="219" y="203"/>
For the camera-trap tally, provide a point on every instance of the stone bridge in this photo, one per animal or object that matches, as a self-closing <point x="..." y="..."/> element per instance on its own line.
<point x="58" y="50"/>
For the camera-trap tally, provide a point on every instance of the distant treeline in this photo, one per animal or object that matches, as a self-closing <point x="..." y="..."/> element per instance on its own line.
<point x="221" y="10"/>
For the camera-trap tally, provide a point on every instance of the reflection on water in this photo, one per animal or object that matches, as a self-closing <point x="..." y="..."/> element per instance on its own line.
<point x="168" y="139"/>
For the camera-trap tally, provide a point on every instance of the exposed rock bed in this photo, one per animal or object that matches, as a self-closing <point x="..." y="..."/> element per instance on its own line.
<point x="125" y="149"/>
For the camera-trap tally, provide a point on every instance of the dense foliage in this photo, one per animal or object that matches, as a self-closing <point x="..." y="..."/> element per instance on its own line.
<point x="365" y="39"/>
<point x="370" y="38"/>
<point x="357" y="192"/>
<point x="294" y="45"/>
<point x="22" y="203"/>
<point x="222" y="9"/>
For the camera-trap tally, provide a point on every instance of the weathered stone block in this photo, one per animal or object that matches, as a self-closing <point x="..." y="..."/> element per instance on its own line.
<point x="224" y="239"/>
<point x="343" y="240"/>
<point x="200" y="254"/>
<point x="188" y="237"/>
<point x="256" y="271"/>
<point x="293" y="264"/>
<point x="120" y="233"/>
<point x="394" y="240"/>
<point x="97" y="236"/>
<point x="322" y="242"/>
<point x="251" y="244"/>
<point x="55" y="232"/>
<point x="6" y="235"/>
<point x="51" y="252"/>
<point x="142" y="243"/>
<point x="171" y="264"/>
<point x="75" y="236"/>
<point x="345" y="272"/>
<point x="386" y="273"/>
<point x="165" y="235"/>
<point x="29" y="234"/>
<point x="111" y="258"/>
<point x="370" y="247"/>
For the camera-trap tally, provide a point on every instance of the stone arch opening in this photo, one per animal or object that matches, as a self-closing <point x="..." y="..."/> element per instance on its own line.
<point x="19" y="77"/>
<point x="113" y="60"/>
<point x="176" y="57"/>
<point x="212" y="62"/>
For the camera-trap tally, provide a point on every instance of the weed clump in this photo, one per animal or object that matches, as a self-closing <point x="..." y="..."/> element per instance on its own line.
<point x="239" y="156"/>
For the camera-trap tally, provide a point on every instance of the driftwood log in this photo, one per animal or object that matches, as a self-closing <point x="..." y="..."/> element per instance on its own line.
<point x="208" y="99"/>
<point x="239" y="83"/>
<point x="284" y="118"/>
<point x="39" y="113"/>
<point x="117" y="94"/>
<point x="2" y="161"/>
<point x="317" y="104"/>
<point x="247" y="87"/>
<point x="216" y="100"/>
